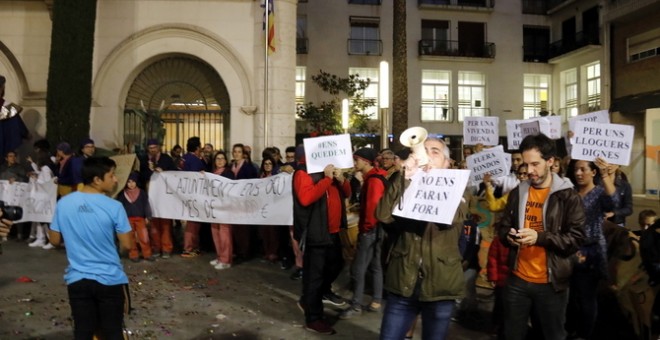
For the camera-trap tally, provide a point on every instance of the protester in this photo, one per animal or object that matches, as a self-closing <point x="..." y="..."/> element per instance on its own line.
<point x="625" y="206"/>
<point x="424" y="274"/>
<point x="370" y="237"/>
<point x="41" y="173"/>
<point x="646" y="218"/>
<point x="63" y="169"/>
<point x="160" y="229"/>
<point x="192" y="161"/>
<point x="318" y="213"/>
<point x="136" y="204"/>
<point x="87" y="149"/>
<point x="89" y="220"/>
<point x="11" y="170"/>
<point x="241" y="168"/>
<point x="222" y="232"/>
<point x="269" y="233"/>
<point x="175" y="153"/>
<point x="543" y="227"/>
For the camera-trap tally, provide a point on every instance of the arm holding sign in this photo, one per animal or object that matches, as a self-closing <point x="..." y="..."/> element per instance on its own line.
<point x="309" y="192"/>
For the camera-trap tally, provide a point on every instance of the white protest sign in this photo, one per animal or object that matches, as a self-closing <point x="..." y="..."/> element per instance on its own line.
<point x="321" y="151"/>
<point x="492" y="161"/>
<point x="602" y="117"/>
<point x="531" y="127"/>
<point x="484" y="130"/>
<point x="550" y="126"/>
<point x="513" y="133"/>
<point x="612" y="142"/>
<point x="37" y="199"/>
<point x="433" y="196"/>
<point x="205" y="197"/>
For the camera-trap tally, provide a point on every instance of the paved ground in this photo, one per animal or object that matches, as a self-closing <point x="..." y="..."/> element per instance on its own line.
<point x="175" y="299"/>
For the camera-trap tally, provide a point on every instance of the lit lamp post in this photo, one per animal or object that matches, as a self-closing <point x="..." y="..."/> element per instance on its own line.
<point x="344" y="115"/>
<point x="384" y="102"/>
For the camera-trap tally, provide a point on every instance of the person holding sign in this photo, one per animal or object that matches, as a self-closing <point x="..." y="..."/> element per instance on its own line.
<point x="595" y="184"/>
<point x="542" y="225"/>
<point x="318" y="214"/>
<point x="424" y="275"/>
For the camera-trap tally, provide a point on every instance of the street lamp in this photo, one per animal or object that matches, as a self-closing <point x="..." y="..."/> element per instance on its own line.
<point x="384" y="102"/>
<point x="344" y="115"/>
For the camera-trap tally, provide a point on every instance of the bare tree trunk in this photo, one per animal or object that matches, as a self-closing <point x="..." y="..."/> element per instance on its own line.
<point x="399" y="73"/>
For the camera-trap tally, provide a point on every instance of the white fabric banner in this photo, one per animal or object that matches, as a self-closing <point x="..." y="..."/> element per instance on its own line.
<point x="484" y="130"/>
<point x="492" y="161"/>
<point x="433" y="196"/>
<point x="37" y="199"/>
<point x="321" y="151"/>
<point x="205" y="197"/>
<point x="612" y="142"/>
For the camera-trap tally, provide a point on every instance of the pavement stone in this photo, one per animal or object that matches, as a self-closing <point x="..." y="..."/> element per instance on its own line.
<point x="177" y="298"/>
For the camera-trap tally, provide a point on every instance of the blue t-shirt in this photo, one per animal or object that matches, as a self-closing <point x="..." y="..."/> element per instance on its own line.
<point x="88" y="223"/>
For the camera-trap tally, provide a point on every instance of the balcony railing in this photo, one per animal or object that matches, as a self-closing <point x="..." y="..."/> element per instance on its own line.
<point x="301" y="45"/>
<point x="459" y="3"/>
<point x="534" y="7"/>
<point x="452" y="48"/>
<point x="365" y="47"/>
<point x="580" y="40"/>
<point x="554" y="3"/>
<point x="535" y="54"/>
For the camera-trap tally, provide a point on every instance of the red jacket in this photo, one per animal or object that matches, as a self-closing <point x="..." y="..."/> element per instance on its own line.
<point x="372" y="190"/>
<point x="497" y="268"/>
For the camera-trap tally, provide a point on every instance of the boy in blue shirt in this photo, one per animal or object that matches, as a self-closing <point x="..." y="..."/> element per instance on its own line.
<point x="88" y="220"/>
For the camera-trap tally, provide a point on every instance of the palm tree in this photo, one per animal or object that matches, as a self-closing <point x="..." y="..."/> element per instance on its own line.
<point x="399" y="72"/>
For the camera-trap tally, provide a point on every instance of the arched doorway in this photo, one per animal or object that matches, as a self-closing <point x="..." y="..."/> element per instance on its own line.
<point x="176" y="98"/>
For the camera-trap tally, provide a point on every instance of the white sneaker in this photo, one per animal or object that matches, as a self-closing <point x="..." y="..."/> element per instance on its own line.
<point x="214" y="262"/>
<point x="49" y="246"/>
<point x="221" y="266"/>
<point x="37" y="243"/>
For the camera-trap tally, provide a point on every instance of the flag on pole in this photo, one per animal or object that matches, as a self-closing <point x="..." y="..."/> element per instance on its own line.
<point x="271" y="24"/>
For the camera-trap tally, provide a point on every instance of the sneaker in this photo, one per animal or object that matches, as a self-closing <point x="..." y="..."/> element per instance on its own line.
<point x="333" y="299"/>
<point x="221" y="266"/>
<point x="151" y="258"/>
<point x="189" y="254"/>
<point x="37" y="243"/>
<point x="155" y="255"/>
<point x="214" y="262"/>
<point x="375" y="307"/>
<point x="319" y="326"/>
<point x="351" y="312"/>
<point x="165" y="255"/>
<point x="297" y="274"/>
<point x="31" y="239"/>
<point x="48" y="246"/>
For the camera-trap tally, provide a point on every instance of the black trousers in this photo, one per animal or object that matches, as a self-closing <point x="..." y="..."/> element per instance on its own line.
<point x="321" y="267"/>
<point x="97" y="309"/>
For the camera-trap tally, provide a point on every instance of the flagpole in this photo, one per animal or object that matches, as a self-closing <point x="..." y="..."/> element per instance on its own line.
<point x="266" y="46"/>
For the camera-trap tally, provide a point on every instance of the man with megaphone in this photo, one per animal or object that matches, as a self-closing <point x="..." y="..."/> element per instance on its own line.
<point x="424" y="274"/>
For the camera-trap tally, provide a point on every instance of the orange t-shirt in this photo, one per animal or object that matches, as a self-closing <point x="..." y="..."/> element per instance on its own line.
<point x="532" y="262"/>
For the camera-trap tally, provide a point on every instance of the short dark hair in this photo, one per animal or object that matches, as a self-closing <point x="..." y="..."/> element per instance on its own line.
<point x="644" y="214"/>
<point x="290" y="149"/>
<point x="42" y="144"/>
<point x="193" y="144"/>
<point x="541" y="143"/>
<point x="96" y="167"/>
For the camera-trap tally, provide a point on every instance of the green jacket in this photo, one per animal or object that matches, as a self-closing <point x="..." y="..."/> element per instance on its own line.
<point x="423" y="251"/>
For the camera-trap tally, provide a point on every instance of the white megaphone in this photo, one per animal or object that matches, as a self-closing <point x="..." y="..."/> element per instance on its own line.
<point x="414" y="138"/>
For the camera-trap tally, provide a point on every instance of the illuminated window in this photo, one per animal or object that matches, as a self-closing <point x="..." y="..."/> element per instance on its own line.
<point x="593" y="87"/>
<point x="570" y="92"/>
<point x="300" y="86"/>
<point x="371" y="92"/>
<point x="471" y="94"/>
<point x="435" y="95"/>
<point x="536" y="88"/>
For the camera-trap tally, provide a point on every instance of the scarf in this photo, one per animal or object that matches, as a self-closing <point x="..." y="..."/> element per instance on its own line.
<point x="132" y="194"/>
<point x="237" y="166"/>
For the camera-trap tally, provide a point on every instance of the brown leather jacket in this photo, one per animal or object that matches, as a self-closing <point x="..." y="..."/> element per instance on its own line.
<point x="563" y="224"/>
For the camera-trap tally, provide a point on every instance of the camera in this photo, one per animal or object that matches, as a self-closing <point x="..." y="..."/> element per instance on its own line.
<point x="11" y="212"/>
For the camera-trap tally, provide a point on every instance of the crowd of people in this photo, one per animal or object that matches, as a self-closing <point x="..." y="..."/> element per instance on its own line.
<point x="556" y="231"/>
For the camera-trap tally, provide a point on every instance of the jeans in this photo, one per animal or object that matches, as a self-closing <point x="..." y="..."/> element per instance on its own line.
<point x="97" y="309"/>
<point x="522" y="298"/>
<point x="400" y="312"/>
<point x="322" y="265"/>
<point x="368" y="257"/>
